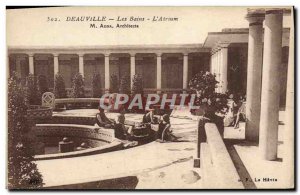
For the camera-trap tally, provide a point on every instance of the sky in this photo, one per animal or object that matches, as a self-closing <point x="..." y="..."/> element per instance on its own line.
<point x="29" y="27"/>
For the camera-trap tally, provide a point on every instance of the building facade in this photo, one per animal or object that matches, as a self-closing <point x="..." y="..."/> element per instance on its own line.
<point x="164" y="68"/>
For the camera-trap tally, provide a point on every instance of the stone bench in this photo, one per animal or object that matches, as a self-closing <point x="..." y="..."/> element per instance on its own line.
<point x="225" y="173"/>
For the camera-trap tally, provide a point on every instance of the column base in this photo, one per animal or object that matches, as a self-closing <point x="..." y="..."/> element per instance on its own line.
<point x="197" y="163"/>
<point x="252" y="131"/>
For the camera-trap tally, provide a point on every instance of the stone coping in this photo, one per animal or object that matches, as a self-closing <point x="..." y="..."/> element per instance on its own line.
<point x="97" y="150"/>
<point x="77" y="100"/>
<point x="222" y="163"/>
<point x="113" y="143"/>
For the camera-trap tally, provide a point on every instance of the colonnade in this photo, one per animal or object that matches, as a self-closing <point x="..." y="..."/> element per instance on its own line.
<point x="107" y="67"/>
<point x="263" y="83"/>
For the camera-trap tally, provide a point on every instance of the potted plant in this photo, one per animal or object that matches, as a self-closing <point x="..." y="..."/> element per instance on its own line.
<point x="32" y="91"/>
<point x="78" y="89"/>
<point x="59" y="87"/>
<point x="43" y="84"/>
<point x="137" y="89"/>
<point x="77" y="86"/>
<point x="203" y="85"/>
<point x="114" y="84"/>
<point x="96" y="88"/>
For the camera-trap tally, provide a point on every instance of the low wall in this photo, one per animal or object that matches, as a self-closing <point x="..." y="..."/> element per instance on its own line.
<point x="76" y="120"/>
<point x="71" y="130"/>
<point x="224" y="172"/>
<point x="102" y="140"/>
<point x="80" y="120"/>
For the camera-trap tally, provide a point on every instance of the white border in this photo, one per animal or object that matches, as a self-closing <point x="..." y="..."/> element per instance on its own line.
<point x="3" y="3"/>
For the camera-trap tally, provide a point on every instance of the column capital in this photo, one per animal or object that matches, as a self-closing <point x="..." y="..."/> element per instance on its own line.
<point x="186" y="54"/>
<point x="274" y="11"/>
<point x="255" y="16"/>
<point x="132" y="54"/>
<point x="80" y="54"/>
<point x="55" y="54"/>
<point x="30" y="54"/>
<point x="223" y="45"/>
<point x="106" y="54"/>
<point x="158" y="54"/>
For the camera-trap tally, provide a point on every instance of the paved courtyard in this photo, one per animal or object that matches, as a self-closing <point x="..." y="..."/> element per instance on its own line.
<point x="161" y="165"/>
<point x="156" y="165"/>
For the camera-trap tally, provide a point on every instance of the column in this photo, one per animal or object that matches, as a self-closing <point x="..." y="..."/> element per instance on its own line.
<point x="211" y="61"/>
<point x="8" y="66"/>
<point x="254" y="73"/>
<point x="224" y="67"/>
<point x="268" y="137"/>
<point x="158" y="72"/>
<point x="289" y="130"/>
<point x="56" y="64"/>
<point x="31" y="63"/>
<point x="106" y="70"/>
<point x="81" y="64"/>
<point x="132" y="68"/>
<point x="217" y="70"/>
<point x="185" y="71"/>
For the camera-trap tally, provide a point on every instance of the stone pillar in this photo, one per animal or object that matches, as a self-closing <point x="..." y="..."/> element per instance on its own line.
<point x="211" y="62"/>
<point x="81" y="64"/>
<point x="132" y="68"/>
<point x="268" y="137"/>
<point x="217" y="70"/>
<point x="185" y="71"/>
<point x="254" y="75"/>
<point x="289" y="130"/>
<point x="158" y="72"/>
<point x="224" y="67"/>
<point x="107" y="74"/>
<point x="7" y="66"/>
<point x="31" y="63"/>
<point x="56" y="64"/>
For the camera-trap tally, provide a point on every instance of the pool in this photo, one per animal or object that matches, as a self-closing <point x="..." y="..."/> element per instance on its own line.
<point x="50" y="136"/>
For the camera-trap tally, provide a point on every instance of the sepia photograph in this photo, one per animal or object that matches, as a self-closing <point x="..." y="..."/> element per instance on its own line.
<point x="150" y="98"/>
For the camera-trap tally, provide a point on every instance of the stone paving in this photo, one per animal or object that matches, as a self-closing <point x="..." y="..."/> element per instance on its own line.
<point x="156" y="165"/>
<point x="162" y="165"/>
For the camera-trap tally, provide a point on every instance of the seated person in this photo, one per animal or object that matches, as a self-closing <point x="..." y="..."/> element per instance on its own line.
<point x="241" y="114"/>
<point x="164" y="133"/>
<point x="231" y="114"/>
<point x="149" y="117"/>
<point x="122" y="131"/>
<point x="102" y="120"/>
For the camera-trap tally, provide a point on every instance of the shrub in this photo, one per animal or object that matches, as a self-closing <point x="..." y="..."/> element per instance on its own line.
<point x="32" y="92"/>
<point x="59" y="87"/>
<point x="96" y="85"/>
<point x="22" y="171"/>
<point x="43" y="84"/>
<point x="137" y="85"/>
<point x="204" y="84"/>
<point x="125" y="85"/>
<point x="77" y="86"/>
<point x="114" y="84"/>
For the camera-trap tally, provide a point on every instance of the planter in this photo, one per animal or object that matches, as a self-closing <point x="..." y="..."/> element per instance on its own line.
<point x="39" y="112"/>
